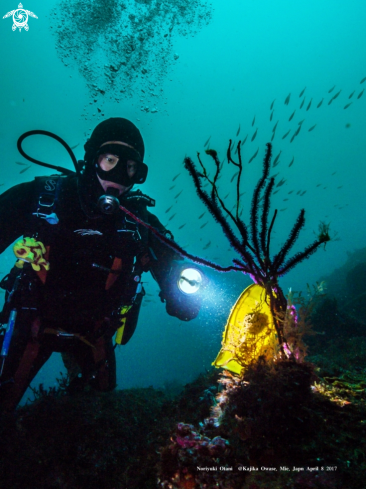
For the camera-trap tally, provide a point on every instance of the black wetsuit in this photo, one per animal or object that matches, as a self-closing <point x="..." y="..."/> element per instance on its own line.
<point x="79" y="294"/>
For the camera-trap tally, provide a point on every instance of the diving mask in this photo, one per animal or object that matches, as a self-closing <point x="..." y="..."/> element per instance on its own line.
<point x="123" y="158"/>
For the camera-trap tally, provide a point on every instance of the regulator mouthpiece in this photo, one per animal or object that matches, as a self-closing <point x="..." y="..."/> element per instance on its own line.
<point x="109" y="203"/>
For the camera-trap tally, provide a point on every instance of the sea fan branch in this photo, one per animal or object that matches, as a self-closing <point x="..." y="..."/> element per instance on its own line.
<point x="299" y="224"/>
<point x="255" y="200"/>
<point x="299" y="257"/>
<point x="174" y="246"/>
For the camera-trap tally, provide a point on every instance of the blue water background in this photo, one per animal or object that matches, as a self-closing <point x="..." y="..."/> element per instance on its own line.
<point x="251" y="53"/>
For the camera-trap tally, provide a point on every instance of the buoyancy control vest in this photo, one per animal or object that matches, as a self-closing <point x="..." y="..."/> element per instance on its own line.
<point x="95" y="264"/>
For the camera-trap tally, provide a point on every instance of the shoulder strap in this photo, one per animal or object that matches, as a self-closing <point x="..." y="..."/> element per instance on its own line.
<point x="46" y="195"/>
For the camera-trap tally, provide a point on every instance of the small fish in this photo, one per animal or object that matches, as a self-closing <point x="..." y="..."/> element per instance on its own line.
<point x="281" y="210"/>
<point x="76" y="145"/>
<point x="337" y="94"/>
<point x="237" y="133"/>
<point x="340" y="186"/>
<point x="331" y="90"/>
<point x="276" y="159"/>
<point x="254" y="135"/>
<point x="319" y="104"/>
<point x="287" y="99"/>
<point x="166" y="212"/>
<point x="253" y="121"/>
<point x="318" y="185"/>
<point x="302" y="103"/>
<point x="252" y="158"/>
<point x="330" y="101"/>
<point x="271" y="117"/>
<point x="276" y="191"/>
<point x="281" y="182"/>
<point x="297" y="131"/>
<point x="312" y="128"/>
<point x="351" y="95"/>
<point x="363" y="80"/>
<point x="25" y="169"/>
<point x="287" y="133"/>
<point x="275" y="126"/>
<point x="182" y="226"/>
<point x="275" y="175"/>
<point x="232" y="178"/>
<point x="308" y="107"/>
<point x="347" y="105"/>
<point x="171" y="217"/>
<point x="243" y="142"/>
<point x="334" y="173"/>
<point x="303" y="193"/>
<point x="20" y="163"/>
<point x="290" y="192"/>
<point x="200" y="217"/>
<point x="207" y="246"/>
<point x="299" y="123"/>
<point x="206" y="143"/>
<point x="273" y="136"/>
<point x="203" y="225"/>
<point x="293" y="159"/>
<point x="302" y="93"/>
<point x="173" y="186"/>
<point x="272" y="104"/>
<point x="285" y="200"/>
<point x="176" y="176"/>
<point x="360" y="94"/>
<point x="293" y="137"/>
<point x="291" y="116"/>
<point x="178" y="194"/>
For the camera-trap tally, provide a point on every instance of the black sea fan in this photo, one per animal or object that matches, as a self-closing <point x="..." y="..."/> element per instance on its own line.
<point x="253" y="245"/>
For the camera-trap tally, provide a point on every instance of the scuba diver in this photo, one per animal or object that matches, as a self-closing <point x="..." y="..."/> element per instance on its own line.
<point x="77" y="281"/>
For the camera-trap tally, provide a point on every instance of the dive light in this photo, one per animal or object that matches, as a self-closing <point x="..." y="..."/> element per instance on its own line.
<point x="183" y="291"/>
<point x="190" y="280"/>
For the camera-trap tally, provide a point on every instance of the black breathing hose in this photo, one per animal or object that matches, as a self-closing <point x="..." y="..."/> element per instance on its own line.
<point x="65" y="171"/>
